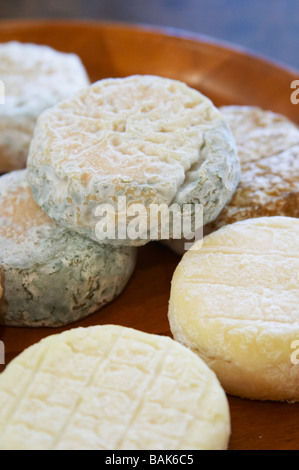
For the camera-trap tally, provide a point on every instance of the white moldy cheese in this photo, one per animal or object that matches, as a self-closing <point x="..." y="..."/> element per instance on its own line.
<point x="111" y="388"/>
<point x="50" y="276"/>
<point x="35" y="77"/>
<point x="149" y="139"/>
<point x="235" y="303"/>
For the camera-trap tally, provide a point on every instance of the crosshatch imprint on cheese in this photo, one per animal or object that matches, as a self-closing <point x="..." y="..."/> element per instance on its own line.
<point x="2" y="92"/>
<point x="2" y="353"/>
<point x="159" y="221"/>
<point x="295" y="354"/>
<point x="295" y="94"/>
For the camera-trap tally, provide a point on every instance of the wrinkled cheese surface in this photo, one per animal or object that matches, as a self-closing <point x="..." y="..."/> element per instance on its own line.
<point x="150" y="139"/>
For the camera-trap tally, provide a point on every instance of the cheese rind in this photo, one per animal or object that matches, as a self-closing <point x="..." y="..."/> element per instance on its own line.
<point x="235" y="302"/>
<point x="149" y="139"/>
<point x="268" y="148"/>
<point x="50" y="276"/>
<point x="35" y="78"/>
<point x="111" y="388"/>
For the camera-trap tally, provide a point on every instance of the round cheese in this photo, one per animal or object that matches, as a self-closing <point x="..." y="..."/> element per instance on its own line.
<point x="111" y="388"/>
<point x="147" y="139"/>
<point x="33" y="78"/>
<point x="235" y="303"/>
<point x="50" y="276"/>
<point x="268" y="147"/>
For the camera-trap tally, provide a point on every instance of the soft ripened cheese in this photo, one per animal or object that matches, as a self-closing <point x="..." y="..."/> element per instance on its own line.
<point x="110" y="387"/>
<point x="235" y="303"/>
<point x="35" y="78"/>
<point x="149" y="139"/>
<point x="50" y="276"/>
<point x="268" y="147"/>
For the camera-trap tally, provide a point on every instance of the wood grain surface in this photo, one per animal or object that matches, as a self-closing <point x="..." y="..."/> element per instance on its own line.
<point x="227" y="76"/>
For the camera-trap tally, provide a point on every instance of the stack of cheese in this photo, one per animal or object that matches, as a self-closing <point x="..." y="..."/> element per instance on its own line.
<point x="141" y="140"/>
<point x="50" y="276"/>
<point x="145" y="140"/>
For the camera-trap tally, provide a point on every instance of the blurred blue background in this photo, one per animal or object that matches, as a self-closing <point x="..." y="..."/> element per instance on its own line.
<point x="269" y="27"/>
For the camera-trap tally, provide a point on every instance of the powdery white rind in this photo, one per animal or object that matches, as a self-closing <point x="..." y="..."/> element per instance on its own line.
<point x="235" y="303"/>
<point x="150" y="139"/>
<point x="111" y="388"/>
<point x="35" y="78"/>
<point x="51" y="276"/>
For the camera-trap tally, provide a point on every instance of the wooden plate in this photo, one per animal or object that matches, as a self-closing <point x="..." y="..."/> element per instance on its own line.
<point x="228" y="76"/>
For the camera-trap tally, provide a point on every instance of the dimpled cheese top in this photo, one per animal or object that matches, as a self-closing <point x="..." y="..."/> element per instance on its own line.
<point x="235" y="302"/>
<point x="50" y="276"/>
<point x="111" y="387"/>
<point x="150" y="139"/>
<point x="35" y="78"/>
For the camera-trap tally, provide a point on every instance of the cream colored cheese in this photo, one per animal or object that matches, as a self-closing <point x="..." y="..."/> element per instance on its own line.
<point x="35" y="78"/>
<point x="111" y="388"/>
<point x="150" y="139"/>
<point x="235" y="303"/>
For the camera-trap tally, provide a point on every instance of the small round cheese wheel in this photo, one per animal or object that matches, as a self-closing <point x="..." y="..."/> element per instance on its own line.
<point x="35" y="78"/>
<point x="50" y="276"/>
<point x="268" y="147"/>
<point x="235" y="303"/>
<point x="111" y="388"/>
<point x="147" y="139"/>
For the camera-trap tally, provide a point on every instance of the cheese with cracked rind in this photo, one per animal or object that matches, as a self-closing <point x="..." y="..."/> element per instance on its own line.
<point x="111" y="388"/>
<point x="49" y="275"/>
<point x="35" y="77"/>
<point x="150" y="139"/>
<point x="235" y="303"/>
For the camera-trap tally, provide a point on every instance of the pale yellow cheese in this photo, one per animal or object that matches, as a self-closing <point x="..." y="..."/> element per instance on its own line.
<point x="235" y="302"/>
<point x="111" y="387"/>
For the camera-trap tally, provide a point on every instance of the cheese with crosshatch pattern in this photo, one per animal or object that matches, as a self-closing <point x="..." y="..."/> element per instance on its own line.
<point x="112" y="388"/>
<point x="234" y="301"/>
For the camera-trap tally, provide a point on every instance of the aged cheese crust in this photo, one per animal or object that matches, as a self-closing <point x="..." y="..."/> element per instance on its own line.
<point x="268" y="147"/>
<point x="35" y="78"/>
<point x="235" y="303"/>
<point x="50" y="276"/>
<point x="111" y="388"/>
<point x="150" y="139"/>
